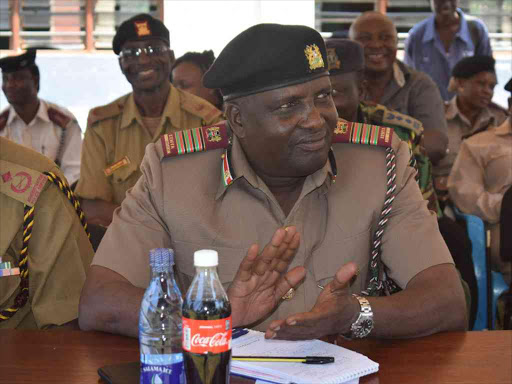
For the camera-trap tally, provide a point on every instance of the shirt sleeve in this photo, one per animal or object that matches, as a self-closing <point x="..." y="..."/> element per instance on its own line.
<point x="411" y="241"/>
<point x="93" y="184"/>
<point x="59" y="255"/>
<point x="137" y="226"/>
<point x="72" y="151"/>
<point x="466" y="185"/>
<point x="426" y="104"/>
<point x="408" y="51"/>
<point x="484" y="45"/>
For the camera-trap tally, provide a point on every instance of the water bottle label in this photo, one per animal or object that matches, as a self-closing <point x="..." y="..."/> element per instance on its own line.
<point x="203" y="336"/>
<point x="162" y="369"/>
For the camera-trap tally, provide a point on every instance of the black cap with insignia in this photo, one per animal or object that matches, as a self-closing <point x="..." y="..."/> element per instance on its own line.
<point x="15" y="63"/>
<point x="140" y="27"/>
<point x="344" y="55"/>
<point x="472" y="65"/>
<point x="266" y="57"/>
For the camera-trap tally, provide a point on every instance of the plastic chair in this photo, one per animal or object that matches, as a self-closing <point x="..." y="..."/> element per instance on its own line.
<point x="490" y="284"/>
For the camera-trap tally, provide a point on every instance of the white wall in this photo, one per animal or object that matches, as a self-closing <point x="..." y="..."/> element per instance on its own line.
<point x="196" y="25"/>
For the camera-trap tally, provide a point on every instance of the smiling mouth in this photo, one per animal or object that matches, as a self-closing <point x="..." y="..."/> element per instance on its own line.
<point x="312" y="143"/>
<point x="376" y="56"/>
<point x="146" y="73"/>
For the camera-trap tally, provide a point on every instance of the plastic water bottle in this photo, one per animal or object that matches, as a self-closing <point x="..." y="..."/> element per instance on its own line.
<point x="207" y="324"/>
<point x="161" y="356"/>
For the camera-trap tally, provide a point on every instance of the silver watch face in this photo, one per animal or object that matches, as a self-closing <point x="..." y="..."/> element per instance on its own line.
<point x="363" y="329"/>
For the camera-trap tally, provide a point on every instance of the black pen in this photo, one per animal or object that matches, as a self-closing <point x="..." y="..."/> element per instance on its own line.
<point x="287" y="359"/>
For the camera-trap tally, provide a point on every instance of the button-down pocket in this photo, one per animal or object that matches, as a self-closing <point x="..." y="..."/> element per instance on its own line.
<point x="356" y="248"/>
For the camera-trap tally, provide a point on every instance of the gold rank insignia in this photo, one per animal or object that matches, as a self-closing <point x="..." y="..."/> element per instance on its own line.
<point x="213" y="134"/>
<point x="142" y="28"/>
<point x="333" y="61"/>
<point x="341" y="127"/>
<point x="314" y="57"/>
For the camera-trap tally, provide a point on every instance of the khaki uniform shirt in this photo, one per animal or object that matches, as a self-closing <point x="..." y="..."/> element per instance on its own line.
<point x="335" y="222"/>
<point x="460" y="128"/>
<point x="59" y="251"/>
<point x="44" y="135"/>
<point x="481" y="175"/>
<point x="115" y="140"/>
<point x="415" y="94"/>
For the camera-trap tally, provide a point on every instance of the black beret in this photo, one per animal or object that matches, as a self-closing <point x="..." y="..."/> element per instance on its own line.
<point x="140" y="27"/>
<point x="265" y="57"/>
<point x="344" y="55"/>
<point x="472" y="65"/>
<point x="508" y="86"/>
<point x="16" y="63"/>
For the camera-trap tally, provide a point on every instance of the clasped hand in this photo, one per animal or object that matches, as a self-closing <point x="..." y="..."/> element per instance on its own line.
<point x="333" y="313"/>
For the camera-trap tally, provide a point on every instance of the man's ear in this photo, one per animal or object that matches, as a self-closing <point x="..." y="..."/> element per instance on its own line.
<point x="234" y="116"/>
<point x="120" y="65"/>
<point x="362" y="89"/>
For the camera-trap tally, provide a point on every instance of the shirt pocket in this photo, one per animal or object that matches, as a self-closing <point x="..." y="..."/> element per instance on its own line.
<point x="124" y="173"/>
<point x="229" y="261"/>
<point x="327" y="262"/>
<point x="8" y="284"/>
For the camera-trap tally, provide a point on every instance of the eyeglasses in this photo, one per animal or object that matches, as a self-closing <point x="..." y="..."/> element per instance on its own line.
<point x="132" y="53"/>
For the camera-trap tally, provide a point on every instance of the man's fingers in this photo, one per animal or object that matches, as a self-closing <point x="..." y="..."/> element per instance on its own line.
<point x="288" y="254"/>
<point x="343" y="276"/>
<point x="291" y="280"/>
<point x="273" y="250"/>
<point x="245" y="268"/>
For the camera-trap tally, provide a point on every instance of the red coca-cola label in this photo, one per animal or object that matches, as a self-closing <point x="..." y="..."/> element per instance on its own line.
<point x="203" y="336"/>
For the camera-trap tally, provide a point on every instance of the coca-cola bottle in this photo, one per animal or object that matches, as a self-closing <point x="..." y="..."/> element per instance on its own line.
<point x="206" y="324"/>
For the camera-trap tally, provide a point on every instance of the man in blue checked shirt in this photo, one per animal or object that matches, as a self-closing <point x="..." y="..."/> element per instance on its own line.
<point x="436" y="44"/>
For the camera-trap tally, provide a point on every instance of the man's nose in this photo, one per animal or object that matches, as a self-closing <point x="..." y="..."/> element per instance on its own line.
<point x="314" y="118"/>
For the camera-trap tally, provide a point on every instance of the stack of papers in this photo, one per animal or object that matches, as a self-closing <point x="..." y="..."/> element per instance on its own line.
<point x="348" y="366"/>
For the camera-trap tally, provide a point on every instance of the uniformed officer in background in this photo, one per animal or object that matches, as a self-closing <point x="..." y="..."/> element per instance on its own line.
<point x="118" y="133"/>
<point x="276" y="181"/>
<point x="44" y="249"/>
<point x="36" y="123"/>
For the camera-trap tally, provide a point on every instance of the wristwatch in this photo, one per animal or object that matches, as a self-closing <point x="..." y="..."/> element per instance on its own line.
<point x="364" y="323"/>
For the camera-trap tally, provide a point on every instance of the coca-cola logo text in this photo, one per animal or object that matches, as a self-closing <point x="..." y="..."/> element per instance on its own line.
<point x="218" y="340"/>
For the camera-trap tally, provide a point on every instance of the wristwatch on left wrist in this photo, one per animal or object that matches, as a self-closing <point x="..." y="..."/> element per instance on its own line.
<point x="364" y="323"/>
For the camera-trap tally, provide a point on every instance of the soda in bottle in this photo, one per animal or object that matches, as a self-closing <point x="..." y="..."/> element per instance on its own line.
<point x="161" y="355"/>
<point x="206" y="324"/>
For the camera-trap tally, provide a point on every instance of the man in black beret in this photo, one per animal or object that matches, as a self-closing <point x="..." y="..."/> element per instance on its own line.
<point x="273" y="181"/>
<point x="47" y="128"/>
<point x="117" y="133"/>
<point x="471" y="110"/>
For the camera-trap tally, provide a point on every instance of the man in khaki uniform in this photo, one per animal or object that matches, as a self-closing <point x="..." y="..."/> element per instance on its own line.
<point x="58" y="252"/>
<point x="480" y="177"/>
<point x="118" y="133"/>
<point x="277" y="182"/>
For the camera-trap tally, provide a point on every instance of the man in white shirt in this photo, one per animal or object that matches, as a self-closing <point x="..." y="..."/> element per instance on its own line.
<point x="35" y="123"/>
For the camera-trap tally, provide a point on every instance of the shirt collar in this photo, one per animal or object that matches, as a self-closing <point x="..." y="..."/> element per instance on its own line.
<point x="505" y="128"/>
<point x="400" y="73"/>
<point x="42" y="113"/>
<point x="463" y="32"/>
<point x="172" y="110"/>
<point x="484" y="118"/>
<point x="235" y="166"/>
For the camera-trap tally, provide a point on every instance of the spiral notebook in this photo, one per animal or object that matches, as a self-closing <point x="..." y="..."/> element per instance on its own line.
<point x="348" y="366"/>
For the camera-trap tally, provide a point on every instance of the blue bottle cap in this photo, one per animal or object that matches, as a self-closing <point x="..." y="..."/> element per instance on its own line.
<point x="161" y="259"/>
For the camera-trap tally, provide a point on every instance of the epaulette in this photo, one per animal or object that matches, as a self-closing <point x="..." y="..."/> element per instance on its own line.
<point x="201" y="108"/>
<point x="362" y="133"/>
<point x="104" y="112"/>
<point x="196" y="140"/>
<point x="391" y="117"/>
<point x="3" y="119"/>
<point x="21" y="183"/>
<point x="58" y="117"/>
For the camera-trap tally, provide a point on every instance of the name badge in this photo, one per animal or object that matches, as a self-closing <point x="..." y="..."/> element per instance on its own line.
<point x="118" y="164"/>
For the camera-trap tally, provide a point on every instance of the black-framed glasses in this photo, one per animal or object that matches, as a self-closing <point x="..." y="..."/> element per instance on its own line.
<point x="132" y="53"/>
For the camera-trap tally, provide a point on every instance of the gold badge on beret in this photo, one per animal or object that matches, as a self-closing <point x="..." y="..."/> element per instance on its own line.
<point x="314" y="57"/>
<point x="333" y="61"/>
<point x="142" y="28"/>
